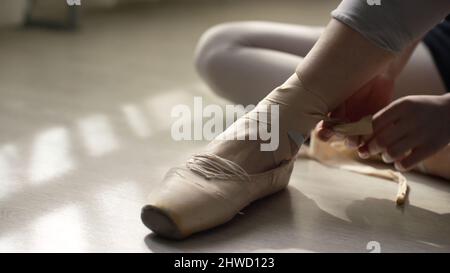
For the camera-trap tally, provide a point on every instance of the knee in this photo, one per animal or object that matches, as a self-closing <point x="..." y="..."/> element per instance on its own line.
<point x="213" y="48"/>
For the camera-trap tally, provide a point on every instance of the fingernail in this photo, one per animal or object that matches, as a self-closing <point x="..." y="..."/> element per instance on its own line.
<point x="386" y="158"/>
<point x="361" y="144"/>
<point x="363" y="155"/>
<point x="399" y="167"/>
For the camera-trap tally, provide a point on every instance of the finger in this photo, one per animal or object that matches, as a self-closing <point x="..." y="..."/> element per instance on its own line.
<point x="388" y="136"/>
<point x="386" y="116"/>
<point x="386" y="158"/>
<point x="363" y="148"/>
<point x="322" y="131"/>
<point x="377" y="145"/>
<point x="324" y="134"/>
<point x="363" y="152"/>
<point x="417" y="155"/>
<point x="363" y="140"/>
<point x="327" y="131"/>
<point x="399" y="149"/>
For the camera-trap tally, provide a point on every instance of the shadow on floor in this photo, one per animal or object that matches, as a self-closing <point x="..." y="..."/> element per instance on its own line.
<point x="290" y="221"/>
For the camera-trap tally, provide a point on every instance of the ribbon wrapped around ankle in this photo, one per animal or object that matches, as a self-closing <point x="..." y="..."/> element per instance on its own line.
<point x="211" y="166"/>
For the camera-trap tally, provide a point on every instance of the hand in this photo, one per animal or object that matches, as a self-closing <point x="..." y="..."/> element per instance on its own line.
<point x="368" y="100"/>
<point x="409" y="130"/>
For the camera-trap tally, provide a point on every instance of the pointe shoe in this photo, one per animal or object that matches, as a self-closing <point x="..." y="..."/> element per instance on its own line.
<point x="187" y="202"/>
<point x="211" y="188"/>
<point x="214" y="186"/>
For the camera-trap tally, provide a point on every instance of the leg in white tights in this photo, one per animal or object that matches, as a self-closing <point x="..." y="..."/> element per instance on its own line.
<point x="244" y="61"/>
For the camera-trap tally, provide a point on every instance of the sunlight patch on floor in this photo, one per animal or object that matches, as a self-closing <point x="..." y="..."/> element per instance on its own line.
<point x="97" y="134"/>
<point x="50" y="155"/>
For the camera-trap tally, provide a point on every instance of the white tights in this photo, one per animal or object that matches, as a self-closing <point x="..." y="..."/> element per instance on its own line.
<point x="244" y="61"/>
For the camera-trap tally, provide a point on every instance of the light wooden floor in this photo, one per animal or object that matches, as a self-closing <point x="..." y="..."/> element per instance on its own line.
<point x="85" y="134"/>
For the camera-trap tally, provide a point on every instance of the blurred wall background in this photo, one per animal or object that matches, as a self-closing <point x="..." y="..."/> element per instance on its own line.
<point x="12" y="11"/>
